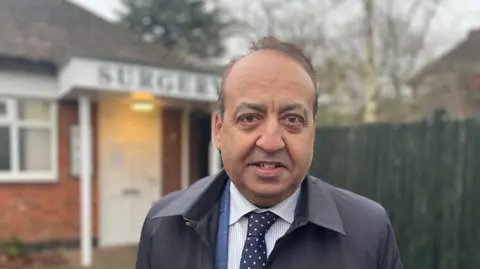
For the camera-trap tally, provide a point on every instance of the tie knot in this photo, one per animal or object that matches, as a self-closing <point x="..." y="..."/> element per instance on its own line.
<point x="259" y="223"/>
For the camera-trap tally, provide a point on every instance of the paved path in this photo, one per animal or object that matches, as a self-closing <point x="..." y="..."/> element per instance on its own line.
<point x="105" y="258"/>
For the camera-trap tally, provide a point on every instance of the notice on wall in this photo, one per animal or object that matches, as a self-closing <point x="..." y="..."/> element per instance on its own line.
<point x="117" y="159"/>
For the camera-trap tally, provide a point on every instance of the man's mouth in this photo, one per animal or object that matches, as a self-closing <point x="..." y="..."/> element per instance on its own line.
<point x="268" y="165"/>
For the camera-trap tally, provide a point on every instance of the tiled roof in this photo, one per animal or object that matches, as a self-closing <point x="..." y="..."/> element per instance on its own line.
<point x="57" y="30"/>
<point x="466" y="52"/>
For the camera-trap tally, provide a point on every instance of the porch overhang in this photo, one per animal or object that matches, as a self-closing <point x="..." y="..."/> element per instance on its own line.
<point x="99" y="75"/>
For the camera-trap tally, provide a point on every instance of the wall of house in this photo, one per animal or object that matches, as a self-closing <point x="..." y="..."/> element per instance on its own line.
<point x="50" y="212"/>
<point x="18" y="83"/>
<point x="453" y="92"/>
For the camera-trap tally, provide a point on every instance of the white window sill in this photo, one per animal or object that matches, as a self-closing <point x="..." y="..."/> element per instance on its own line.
<point x="27" y="178"/>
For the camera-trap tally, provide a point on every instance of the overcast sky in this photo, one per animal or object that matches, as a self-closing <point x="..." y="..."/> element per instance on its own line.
<point x="455" y="18"/>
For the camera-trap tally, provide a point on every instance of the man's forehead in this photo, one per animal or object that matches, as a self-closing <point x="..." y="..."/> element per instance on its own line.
<point x="268" y="76"/>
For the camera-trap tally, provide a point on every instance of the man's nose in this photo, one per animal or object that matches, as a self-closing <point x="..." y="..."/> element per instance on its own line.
<point x="271" y="139"/>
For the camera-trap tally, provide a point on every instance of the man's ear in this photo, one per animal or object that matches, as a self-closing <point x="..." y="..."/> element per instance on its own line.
<point x="218" y="123"/>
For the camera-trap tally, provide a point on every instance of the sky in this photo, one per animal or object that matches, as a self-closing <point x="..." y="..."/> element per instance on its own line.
<point x="455" y="18"/>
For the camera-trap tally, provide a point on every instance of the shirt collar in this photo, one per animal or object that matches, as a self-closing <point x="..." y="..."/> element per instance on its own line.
<point x="239" y="206"/>
<point x="317" y="203"/>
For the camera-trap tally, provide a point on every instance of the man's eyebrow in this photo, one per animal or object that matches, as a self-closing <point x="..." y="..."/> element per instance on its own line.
<point x="292" y="107"/>
<point x="249" y="106"/>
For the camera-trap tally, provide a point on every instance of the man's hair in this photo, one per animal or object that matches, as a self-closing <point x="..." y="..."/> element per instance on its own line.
<point x="273" y="44"/>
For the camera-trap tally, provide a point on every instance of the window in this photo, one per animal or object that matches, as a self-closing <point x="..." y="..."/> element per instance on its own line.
<point x="3" y="109"/>
<point x="27" y="140"/>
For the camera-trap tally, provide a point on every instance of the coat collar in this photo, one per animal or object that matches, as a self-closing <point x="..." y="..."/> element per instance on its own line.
<point x="317" y="204"/>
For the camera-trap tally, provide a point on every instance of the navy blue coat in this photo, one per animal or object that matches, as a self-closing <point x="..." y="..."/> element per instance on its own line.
<point x="335" y="229"/>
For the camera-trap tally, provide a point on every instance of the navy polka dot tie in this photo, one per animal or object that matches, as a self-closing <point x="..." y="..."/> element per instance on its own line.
<point x="254" y="254"/>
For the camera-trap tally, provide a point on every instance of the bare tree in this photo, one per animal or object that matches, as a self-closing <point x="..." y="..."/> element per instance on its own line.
<point x="404" y="36"/>
<point x="370" y="109"/>
<point x="302" y="22"/>
<point x="392" y="45"/>
<point x="364" y="51"/>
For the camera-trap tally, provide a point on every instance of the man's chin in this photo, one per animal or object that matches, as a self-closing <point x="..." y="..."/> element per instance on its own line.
<point x="268" y="190"/>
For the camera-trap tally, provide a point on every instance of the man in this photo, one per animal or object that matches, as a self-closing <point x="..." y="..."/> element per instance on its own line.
<point x="263" y="210"/>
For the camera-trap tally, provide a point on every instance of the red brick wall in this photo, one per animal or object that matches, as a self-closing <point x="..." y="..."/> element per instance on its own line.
<point x="49" y="212"/>
<point x="172" y="158"/>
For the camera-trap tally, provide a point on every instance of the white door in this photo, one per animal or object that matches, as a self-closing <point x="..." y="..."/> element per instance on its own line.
<point x="130" y="169"/>
<point x="129" y="189"/>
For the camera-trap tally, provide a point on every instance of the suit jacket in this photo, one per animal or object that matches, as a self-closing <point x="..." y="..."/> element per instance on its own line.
<point x="334" y="229"/>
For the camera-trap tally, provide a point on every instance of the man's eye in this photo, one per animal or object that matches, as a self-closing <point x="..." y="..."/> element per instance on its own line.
<point x="294" y="119"/>
<point x="248" y="118"/>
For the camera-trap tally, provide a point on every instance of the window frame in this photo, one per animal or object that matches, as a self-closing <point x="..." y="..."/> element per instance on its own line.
<point x="8" y="117"/>
<point x="15" y="175"/>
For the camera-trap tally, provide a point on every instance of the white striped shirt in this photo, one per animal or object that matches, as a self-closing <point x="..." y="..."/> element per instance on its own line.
<point x="239" y="206"/>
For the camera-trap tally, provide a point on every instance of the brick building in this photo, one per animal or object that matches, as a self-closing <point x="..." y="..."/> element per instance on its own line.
<point x="451" y="82"/>
<point x="95" y="125"/>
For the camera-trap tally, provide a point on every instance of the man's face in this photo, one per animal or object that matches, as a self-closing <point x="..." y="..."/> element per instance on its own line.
<point x="267" y="134"/>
